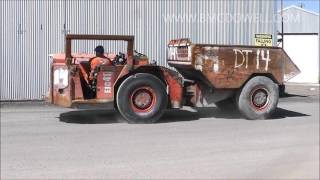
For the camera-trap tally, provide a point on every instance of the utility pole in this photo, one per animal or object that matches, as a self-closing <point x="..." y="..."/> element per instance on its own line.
<point x="282" y="24"/>
<point x="301" y="5"/>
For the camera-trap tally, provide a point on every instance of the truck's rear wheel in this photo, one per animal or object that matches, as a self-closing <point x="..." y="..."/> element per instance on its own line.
<point x="142" y="98"/>
<point x="258" y="99"/>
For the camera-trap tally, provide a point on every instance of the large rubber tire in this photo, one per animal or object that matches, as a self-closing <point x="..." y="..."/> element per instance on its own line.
<point x="258" y="99"/>
<point x="147" y="109"/>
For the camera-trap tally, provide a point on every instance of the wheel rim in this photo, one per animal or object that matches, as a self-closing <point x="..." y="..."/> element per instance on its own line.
<point x="143" y="99"/>
<point x="259" y="98"/>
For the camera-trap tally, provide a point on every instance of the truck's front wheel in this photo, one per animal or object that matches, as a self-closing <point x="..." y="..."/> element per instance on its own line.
<point x="142" y="98"/>
<point x="258" y="98"/>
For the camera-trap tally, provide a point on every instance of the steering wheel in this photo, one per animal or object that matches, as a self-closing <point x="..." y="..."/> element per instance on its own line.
<point x="120" y="59"/>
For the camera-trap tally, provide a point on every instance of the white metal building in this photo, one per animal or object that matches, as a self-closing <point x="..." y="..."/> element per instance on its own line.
<point x="33" y="29"/>
<point x="301" y="42"/>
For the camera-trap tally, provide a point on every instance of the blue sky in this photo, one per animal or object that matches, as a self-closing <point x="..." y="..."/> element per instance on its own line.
<point x="311" y="5"/>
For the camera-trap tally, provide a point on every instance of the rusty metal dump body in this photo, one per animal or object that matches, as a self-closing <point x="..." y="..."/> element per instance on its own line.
<point x="229" y="66"/>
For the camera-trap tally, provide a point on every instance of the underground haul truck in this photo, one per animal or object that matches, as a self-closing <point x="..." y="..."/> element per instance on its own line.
<point x="234" y="77"/>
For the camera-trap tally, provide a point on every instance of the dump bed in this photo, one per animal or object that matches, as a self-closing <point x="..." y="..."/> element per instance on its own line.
<point x="229" y="66"/>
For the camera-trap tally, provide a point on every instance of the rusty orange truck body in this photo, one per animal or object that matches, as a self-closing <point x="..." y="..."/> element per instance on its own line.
<point x="246" y="78"/>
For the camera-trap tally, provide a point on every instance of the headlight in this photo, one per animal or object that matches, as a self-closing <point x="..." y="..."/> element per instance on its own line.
<point x="172" y="52"/>
<point x="61" y="77"/>
<point x="179" y="53"/>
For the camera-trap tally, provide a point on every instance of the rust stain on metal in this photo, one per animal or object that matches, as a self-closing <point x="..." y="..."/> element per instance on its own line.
<point x="175" y="87"/>
<point x="229" y="66"/>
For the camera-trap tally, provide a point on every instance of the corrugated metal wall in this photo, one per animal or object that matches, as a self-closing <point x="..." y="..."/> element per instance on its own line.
<point x="30" y="30"/>
<point x="298" y="20"/>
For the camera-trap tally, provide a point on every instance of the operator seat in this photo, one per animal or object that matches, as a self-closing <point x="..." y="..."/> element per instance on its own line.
<point x="85" y="70"/>
<point x="88" y="67"/>
<point x="95" y="62"/>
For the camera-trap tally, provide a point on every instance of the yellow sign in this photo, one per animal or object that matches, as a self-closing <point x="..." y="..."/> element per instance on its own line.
<point x="263" y="39"/>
